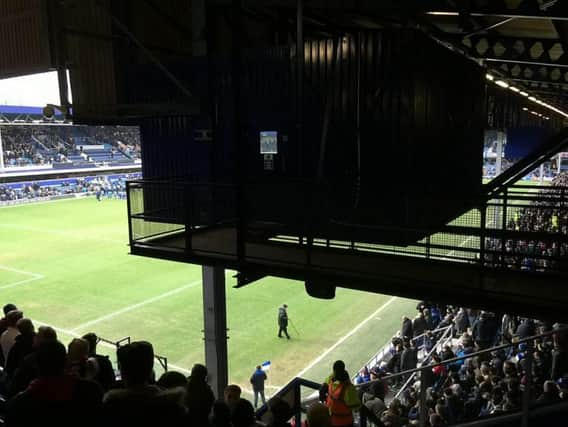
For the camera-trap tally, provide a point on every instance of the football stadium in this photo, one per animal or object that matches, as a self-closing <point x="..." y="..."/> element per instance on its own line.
<point x="283" y="213"/>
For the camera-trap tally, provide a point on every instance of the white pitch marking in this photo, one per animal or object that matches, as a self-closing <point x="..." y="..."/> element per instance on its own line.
<point x="137" y="305"/>
<point x="344" y="337"/>
<point x="35" y="276"/>
<point x="15" y="270"/>
<point x="21" y="282"/>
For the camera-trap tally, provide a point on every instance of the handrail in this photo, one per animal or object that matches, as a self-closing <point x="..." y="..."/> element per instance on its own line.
<point x="425" y="359"/>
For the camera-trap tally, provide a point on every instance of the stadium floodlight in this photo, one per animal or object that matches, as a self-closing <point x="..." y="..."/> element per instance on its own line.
<point x="532" y="98"/>
<point x="489" y="77"/>
<point x="524" y="93"/>
<point x="514" y="89"/>
<point x="525" y="109"/>
<point x="501" y="83"/>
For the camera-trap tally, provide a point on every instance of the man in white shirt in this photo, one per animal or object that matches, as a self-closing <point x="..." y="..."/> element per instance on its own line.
<point x="8" y="338"/>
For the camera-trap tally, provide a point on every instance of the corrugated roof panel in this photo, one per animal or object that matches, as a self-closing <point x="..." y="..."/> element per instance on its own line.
<point x="24" y="38"/>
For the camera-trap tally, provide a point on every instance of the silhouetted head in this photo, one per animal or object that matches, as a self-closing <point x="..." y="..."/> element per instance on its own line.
<point x="8" y="308"/>
<point x="198" y="373"/>
<point x="92" y="339"/>
<point x="25" y="326"/>
<point x="172" y="379"/>
<point x="51" y="357"/>
<point x="136" y="361"/>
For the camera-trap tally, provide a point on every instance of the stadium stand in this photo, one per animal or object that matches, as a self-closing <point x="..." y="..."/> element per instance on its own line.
<point x="65" y="146"/>
<point x="105" y="186"/>
<point x="547" y="216"/>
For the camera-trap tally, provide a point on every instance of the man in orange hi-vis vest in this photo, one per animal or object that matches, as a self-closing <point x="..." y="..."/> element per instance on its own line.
<point x="342" y="398"/>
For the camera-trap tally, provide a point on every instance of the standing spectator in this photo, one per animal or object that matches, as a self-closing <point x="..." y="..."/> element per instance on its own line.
<point x="283" y="321"/>
<point x="408" y="358"/>
<point x="257" y="380"/>
<point x="3" y="322"/>
<point x="461" y="321"/>
<point x="8" y="338"/>
<point x="342" y="398"/>
<point x="199" y="397"/>
<point x="21" y="348"/>
<point x="419" y="327"/>
<point x="105" y="373"/>
<point x="406" y="329"/>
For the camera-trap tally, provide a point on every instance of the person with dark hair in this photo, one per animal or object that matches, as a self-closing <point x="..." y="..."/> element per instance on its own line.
<point x="283" y="321"/>
<point x="8" y="338"/>
<point x="243" y="414"/>
<point x="257" y="380"/>
<point x="140" y="403"/>
<point x="220" y="415"/>
<point x="27" y="371"/>
<point x="373" y="403"/>
<point x="199" y="397"/>
<point x="6" y="309"/>
<point x="406" y="328"/>
<point x="172" y="379"/>
<point x="105" y="375"/>
<point x="341" y="396"/>
<point x="280" y="412"/>
<point x="231" y="396"/>
<point x="21" y="348"/>
<point x="55" y="398"/>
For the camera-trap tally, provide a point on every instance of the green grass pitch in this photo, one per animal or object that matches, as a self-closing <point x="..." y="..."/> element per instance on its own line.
<point x="67" y="264"/>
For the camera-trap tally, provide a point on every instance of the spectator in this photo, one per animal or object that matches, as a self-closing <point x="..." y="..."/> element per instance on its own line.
<point x="280" y="412"/>
<point x="257" y="380"/>
<point x="8" y="338"/>
<point x="55" y="398"/>
<point x="318" y="415"/>
<point x="199" y="397"/>
<point x="406" y="329"/>
<point x="373" y="403"/>
<point x="342" y="398"/>
<point x="27" y="371"/>
<point x="172" y="379"/>
<point x="21" y="348"/>
<point x="231" y="396"/>
<point x="243" y="414"/>
<point x="104" y="371"/>
<point x="140" y="403"/>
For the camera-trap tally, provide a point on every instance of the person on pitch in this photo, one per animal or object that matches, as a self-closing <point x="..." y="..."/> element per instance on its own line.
<point x="283" y="321"/>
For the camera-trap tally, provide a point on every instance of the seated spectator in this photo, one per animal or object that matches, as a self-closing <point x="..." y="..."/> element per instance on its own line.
<point x="104" y="372"/>
<point x="243" y="414"/>
<point x="27" y="371"/>
<point x="22" y="347"/>
<point x="140" y="403"/>
<point x="373" y="403"/>
<point x="231" y="396"/>
<point x="318" y="415"/>
<point x="199" y="397"/>
<point x="172" y="379"/>
<point x="280" y="413"/>
<point x="220" y="415"/>
<point x="8" y="338"/>
<point x="55" y="398"/>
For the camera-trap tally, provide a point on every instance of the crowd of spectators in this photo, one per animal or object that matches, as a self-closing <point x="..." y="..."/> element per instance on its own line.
<point x="106" y="186"/>
<point x="549" y="216"/>
<point x="469" y="389"/>
<point x="42" y="144"/>
<point x="45" y="383"/>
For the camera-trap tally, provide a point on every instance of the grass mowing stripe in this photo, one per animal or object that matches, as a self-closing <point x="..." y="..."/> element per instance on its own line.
<point x="344" y="337"/>
<point x="137" y="305"/>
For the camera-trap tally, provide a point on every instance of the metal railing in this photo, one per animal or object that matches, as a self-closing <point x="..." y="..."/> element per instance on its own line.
<point x="522" y="228"/>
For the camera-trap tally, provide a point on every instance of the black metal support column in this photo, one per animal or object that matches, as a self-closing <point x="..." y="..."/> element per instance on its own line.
<point x="240" y="144"/>
<point x="215" y="328"/>
<point x="300" y="84"/>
